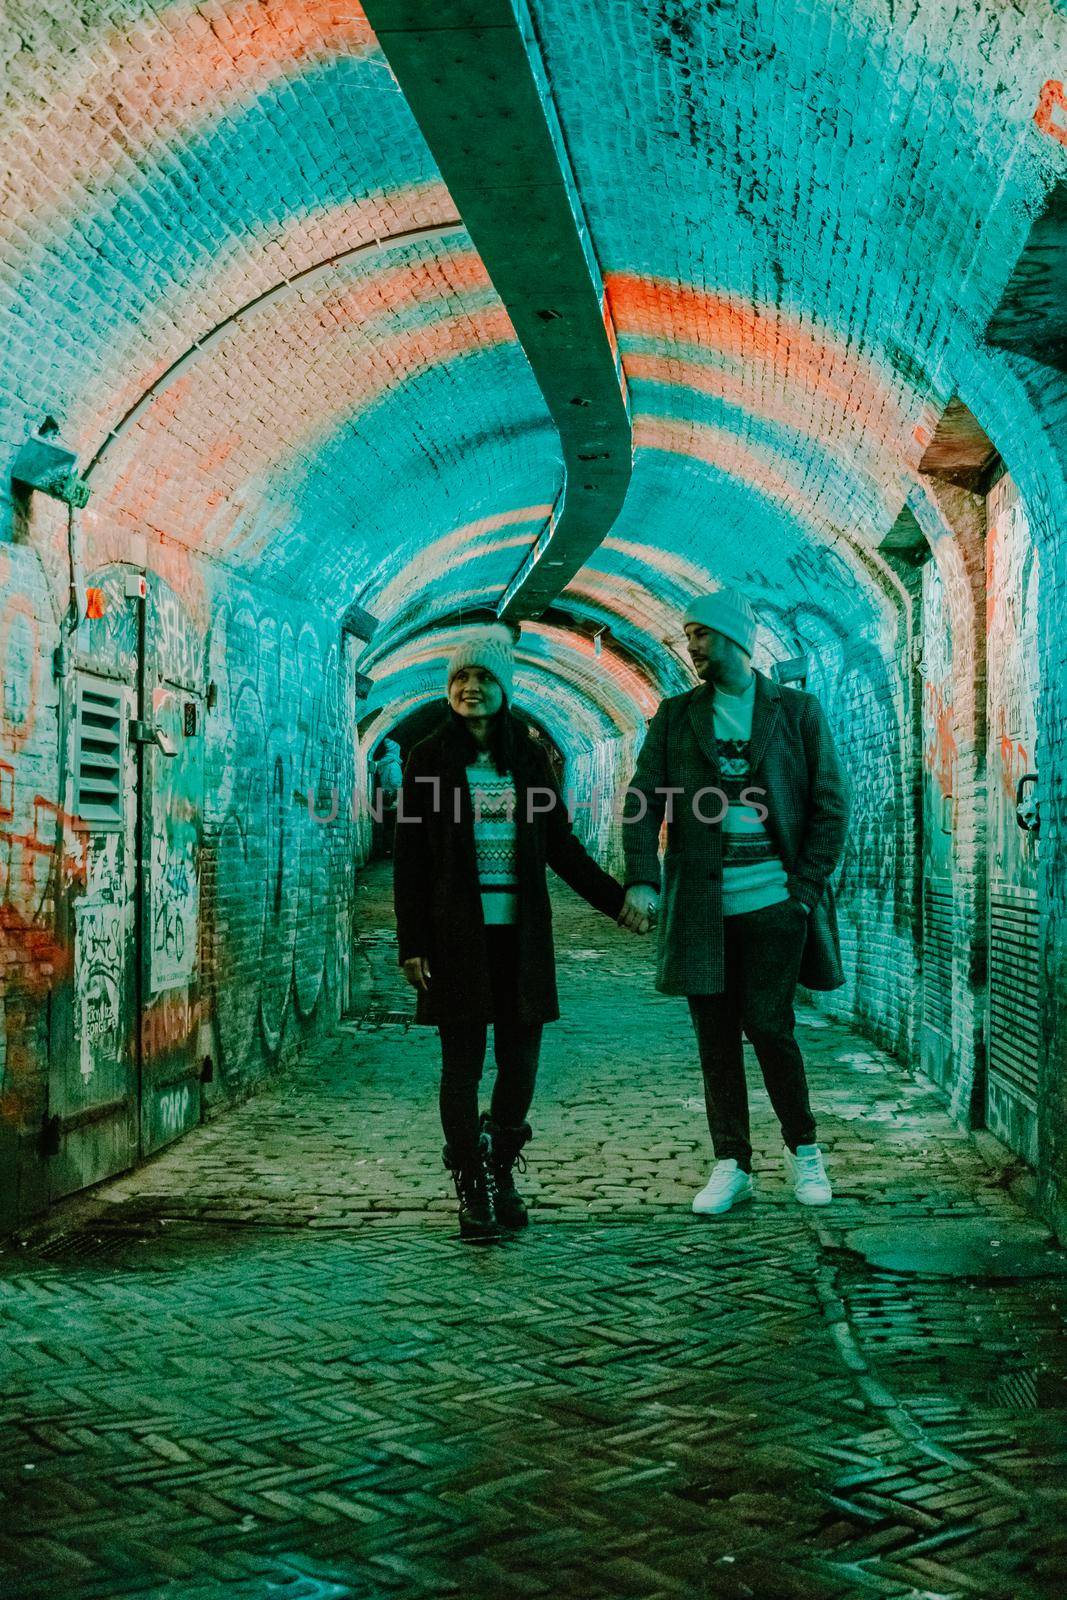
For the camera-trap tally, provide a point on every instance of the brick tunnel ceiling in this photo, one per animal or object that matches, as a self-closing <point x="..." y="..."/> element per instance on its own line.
<point x="804" y="217"/>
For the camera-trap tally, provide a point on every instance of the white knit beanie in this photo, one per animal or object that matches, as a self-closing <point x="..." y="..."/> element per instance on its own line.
<point x="491" y="648"/>
<point x="728" y="612"/>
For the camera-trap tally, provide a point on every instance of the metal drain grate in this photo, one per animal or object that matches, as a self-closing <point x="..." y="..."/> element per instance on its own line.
<point x="1015" y="1391"/>
<point x="372" y="1017"/>
<point x="86" y="1245"/>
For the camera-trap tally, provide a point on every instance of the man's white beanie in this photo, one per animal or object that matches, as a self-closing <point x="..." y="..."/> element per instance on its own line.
<point x="492" y="648"/>
<point x="728" y="612"/>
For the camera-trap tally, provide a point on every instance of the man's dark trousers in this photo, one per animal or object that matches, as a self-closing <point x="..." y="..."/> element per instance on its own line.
<point x="762" y="951"/>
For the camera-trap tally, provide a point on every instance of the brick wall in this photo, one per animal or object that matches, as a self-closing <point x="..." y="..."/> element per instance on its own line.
<point x="273" y="911"/>
<point x="596" y="775"/>
<point x="31" y="960"/>
<point x="865" y="695"/>
<point x="279" y="779"/>
<point x="1023" y="406"/>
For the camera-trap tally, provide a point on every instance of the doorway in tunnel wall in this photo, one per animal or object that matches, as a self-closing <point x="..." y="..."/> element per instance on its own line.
<point x="1014" y="1041"/>
<point x="939" y="776"/>
<point x="981" y="1030"/>
<point x="172" y="789"/>
<point x="91" y="1128"/>
<point x="123" y="1079"/>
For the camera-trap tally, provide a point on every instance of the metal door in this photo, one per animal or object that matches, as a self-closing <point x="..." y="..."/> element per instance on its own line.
<point x="1013" y="1040"/>
<point x="938" y="796"/>
<point x="172" y="1062"/>
<point x="91" y="1127"/>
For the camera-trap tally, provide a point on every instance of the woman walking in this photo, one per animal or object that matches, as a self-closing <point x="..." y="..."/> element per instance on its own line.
<point x="480" y="818"/>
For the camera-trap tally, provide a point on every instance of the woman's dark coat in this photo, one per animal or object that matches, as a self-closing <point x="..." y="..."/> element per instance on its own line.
<point x="435" y="879"/>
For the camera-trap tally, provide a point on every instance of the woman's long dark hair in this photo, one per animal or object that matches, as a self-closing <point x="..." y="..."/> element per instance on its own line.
<point x="509" y="740"/>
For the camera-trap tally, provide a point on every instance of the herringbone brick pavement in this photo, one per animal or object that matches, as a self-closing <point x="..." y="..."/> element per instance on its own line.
<point x="264" y="1366"/>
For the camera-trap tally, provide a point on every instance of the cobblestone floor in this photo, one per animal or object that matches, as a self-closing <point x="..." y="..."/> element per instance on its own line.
<point x="263" y="1366"/>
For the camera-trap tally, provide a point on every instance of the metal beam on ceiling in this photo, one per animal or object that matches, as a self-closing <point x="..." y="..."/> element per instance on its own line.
<point x="472" y="74"/>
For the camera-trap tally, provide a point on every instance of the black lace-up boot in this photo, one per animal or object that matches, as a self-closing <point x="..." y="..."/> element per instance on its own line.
<point x="505" y="1155"/>
<point x="470" y="1174"/>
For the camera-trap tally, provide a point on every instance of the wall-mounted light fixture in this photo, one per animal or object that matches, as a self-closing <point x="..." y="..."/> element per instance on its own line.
<point x="45" y="465"/>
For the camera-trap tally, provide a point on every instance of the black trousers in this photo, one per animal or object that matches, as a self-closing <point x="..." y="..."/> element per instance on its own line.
<point x="516" y="1049"/>
<point x="762" y="951"/>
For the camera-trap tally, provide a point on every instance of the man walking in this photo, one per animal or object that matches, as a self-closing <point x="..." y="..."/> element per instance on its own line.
<point x="745" y="772"/>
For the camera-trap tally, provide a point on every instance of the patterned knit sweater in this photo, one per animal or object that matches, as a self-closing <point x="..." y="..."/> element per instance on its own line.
<point x="493" y="804"/>
<point x="753" y="875"/>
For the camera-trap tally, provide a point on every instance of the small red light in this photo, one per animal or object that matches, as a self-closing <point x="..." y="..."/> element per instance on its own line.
<point x="95" y="604"/>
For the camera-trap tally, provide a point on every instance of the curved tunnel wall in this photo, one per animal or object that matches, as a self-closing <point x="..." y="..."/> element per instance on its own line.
<point x="821" y="212"/>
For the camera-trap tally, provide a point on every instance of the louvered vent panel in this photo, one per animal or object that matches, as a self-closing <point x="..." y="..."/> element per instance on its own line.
<point x="98" y="755"/>
<point x="937" y="958"/>
<point x="1014" y="992"/>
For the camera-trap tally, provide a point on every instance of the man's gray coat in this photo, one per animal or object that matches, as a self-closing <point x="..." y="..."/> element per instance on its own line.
<point x="793" y="760"/>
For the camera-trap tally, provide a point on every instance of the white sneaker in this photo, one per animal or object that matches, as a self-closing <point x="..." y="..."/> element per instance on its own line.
<point x="726" y="1187"/>
<point x="810" y="1183"/>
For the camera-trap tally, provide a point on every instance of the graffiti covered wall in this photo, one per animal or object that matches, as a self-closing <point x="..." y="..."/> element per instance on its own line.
<point x="1017" y="794"/>
<point x="862" y="690"/>
<point x="31" y="959"/>
<point x="277" y="855"/>
<point x="247" y="881"/>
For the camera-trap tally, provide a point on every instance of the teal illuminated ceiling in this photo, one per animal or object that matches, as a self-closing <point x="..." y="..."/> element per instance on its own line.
<point x="802" y="219"/>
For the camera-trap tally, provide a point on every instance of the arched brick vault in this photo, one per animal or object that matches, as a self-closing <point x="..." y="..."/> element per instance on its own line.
<point x="804" y="218"/>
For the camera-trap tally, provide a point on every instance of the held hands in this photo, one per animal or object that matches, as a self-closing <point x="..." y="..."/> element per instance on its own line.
<point x="417" y="972"/>
<point x="640" y="908"/>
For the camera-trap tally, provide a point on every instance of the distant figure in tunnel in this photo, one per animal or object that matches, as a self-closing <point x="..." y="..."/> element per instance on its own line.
<point x="388" y="776"/>
<point x="755" y="800"/>
<point x="480" y="817"/>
